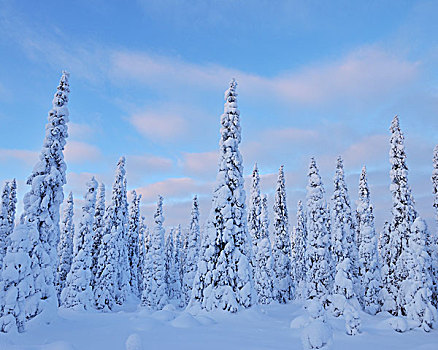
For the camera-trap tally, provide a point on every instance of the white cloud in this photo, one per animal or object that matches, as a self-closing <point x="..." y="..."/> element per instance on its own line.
<point x="201" y="164"/>
<point x="78" y="152"/>
<point x="159" y="126"/>
<point x="26" y="156"/>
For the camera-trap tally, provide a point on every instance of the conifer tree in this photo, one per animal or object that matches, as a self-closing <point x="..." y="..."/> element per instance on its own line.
<point x="417" y="288"/>
<point x="298" y="252"/>
<point x="403" y="216"/>
<point x="42" y="202"/>
<point x="318" y="256"/>
<point x="4" y="222"/>
<point x="170" y="265"/>
<point x="12" y="204"/>
<point x="111" y="280"/>
<point x="433" y="235"/>
<point x="154" y="294"/>
<point x="192" y="252"/>
<point x="98" y="230"/>
<point x="388" y="302"/>
<point x="65" y="245"/>
<point x="264" y="279"/>
<point x="116" y="223"/>
<point x="254" y="211"/>
<point x="344" y="250"/>
<point x="17" y="298"/>
<point x="178" y="263"/>
<point x="77" y="292"/>
<point x="142" y="237"/>
<point x="281" y="250"/>
<point x="369" y="267"/>
<point x="223" y="279"/>
<point x="133" y="236"/>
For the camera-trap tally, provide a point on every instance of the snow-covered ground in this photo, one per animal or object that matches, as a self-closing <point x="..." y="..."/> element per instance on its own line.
<point x="258" y="328"/>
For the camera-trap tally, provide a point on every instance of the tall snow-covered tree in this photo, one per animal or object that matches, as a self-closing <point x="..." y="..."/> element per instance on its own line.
<point x="42" y="202"/>
<point x="344" y="249"/>
<point x="133" y="243"/>
<point x="17" y="297"/>
<point x="154" y="294"/>
<point x="298" y="252"/>
<point x="388" y="301"/>
<point x="116" y="223"/>
<point x="192" y="252"/>
<point x="112" y="275"/>
<point x="178" y="263"/>
<point x="281" y="250"/>
<point x="12" y="204"/>
<point x="77" y="292"/>
<point x="98" y="230"/>
<point x="65" y="245"/>
<point x="142" y="237"/>
<point x="403" y="216"/>
<point x="318" y="256"/>
<point x="4" y="222"/>
<point x="369" y="266"/>
<point x="264" y="279"/>
<point x="433" y="235"/>
<point x="172" y="267"/>
<point x="223" y="279"/>
<point x="254" y="210"/>
<point x="418" y="286"/>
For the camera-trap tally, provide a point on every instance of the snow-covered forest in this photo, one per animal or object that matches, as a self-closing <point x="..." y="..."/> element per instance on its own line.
<point x="331" y="272"/>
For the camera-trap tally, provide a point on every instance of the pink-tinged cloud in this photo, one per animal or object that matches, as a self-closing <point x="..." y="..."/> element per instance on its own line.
<point x="367" y="72"/>
<point x="372" y="150"/>
<point x="174" y="188"/>
<point x="79" y="131"/>
<point x="26" y="156"/>
<point x="203" y="164"/>
<point x="159" y="126"/>
<point x="79" y="152"/>
<point x="148" y="164"/>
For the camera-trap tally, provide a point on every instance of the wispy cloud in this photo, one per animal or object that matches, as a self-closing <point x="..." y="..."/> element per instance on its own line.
<point x="79" y="152"/>
<point x="26" y="156"/>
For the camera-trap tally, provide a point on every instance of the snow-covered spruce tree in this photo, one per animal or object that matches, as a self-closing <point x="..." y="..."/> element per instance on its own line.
<point x="142" y="236"/>
<point x="264" y="278"/>
<point x="65" y="245"/>
<point x="171" y="273"/>
<point x="98" y="230"/>
<point x="281" y="249"/>
<point x="179" y="261"/>
<point x="318" y="257"/>
<point x="388" y="302"/>
<point x="154" y="294"/>
<point x="42" y="202"/>
<point x="223" y="279"/>
<point x="17" y="297"/>
<point x="192" y="252"/>
<point x="77" y="292"/>
<point x="254" y="211"/>
<point x="418" y="286"/>
<point x="133" y="244"/>
<point x="344" y="249"/>
<point x="116" y="223"/>
<point x="111" y="280"/>
<point x="369" y="266"/>
<point x="4" y="222"/>
<point x="403" y="216"/>
<point x="298" y="253"/>
<point x="12" y="204"/>
<point x="433" y="235"/>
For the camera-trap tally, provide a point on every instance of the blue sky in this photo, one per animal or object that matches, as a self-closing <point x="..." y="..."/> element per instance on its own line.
<point x="147" y="80"/>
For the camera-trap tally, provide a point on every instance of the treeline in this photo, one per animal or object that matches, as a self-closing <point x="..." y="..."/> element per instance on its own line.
<point x="333" y="256"/>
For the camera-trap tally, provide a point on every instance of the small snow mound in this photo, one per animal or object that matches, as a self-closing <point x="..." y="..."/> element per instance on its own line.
<point x="399" y="324"/>
<point x="134" y="342"/>
<point x="317" y="335"/>
<point x="205" y="320"/>
<point x="185" y="320"/>
<point x="169" y="307"/>
<point x="299" y="322"/>
<point x="164" y="315"/>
